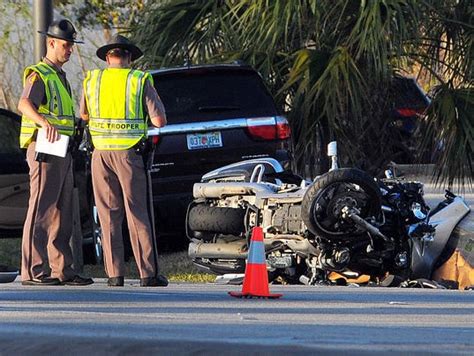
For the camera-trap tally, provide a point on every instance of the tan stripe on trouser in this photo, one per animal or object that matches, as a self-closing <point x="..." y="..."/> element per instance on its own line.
<point x="59" y="250"/>
<point x="108" y="199"/>
<point x="134" y="187"/>
<point x="48" y="230"/>
<point x="109" y="168"/>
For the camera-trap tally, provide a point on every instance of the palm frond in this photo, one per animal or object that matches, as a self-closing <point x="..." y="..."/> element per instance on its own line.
<point x="450" y="124"/>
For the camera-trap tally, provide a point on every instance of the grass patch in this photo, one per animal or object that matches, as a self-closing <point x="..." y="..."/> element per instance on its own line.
<point x="176" y="266"/>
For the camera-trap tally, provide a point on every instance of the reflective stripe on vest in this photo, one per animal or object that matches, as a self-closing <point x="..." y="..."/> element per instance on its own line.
<point x="59" y="107"/>
<point x="114" y="98"/>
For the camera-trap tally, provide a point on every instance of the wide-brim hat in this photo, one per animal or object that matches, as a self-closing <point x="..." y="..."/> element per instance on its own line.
<point x="63" y="30"/>
<point x="119" y="41"/>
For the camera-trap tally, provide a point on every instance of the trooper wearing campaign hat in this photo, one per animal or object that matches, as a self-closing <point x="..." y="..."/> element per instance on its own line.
<point x="117" y="103"/>
<point x="63" y="30"/>
<point x="119" y="42"/>
<point x="46" y="103"/>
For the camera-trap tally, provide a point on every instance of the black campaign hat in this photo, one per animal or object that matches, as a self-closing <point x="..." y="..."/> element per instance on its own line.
<point x="119" y="41"/>
<point x="63" y="30"/>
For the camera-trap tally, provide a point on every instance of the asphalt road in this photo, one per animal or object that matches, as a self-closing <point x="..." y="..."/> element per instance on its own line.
<point x="204" y="319"/>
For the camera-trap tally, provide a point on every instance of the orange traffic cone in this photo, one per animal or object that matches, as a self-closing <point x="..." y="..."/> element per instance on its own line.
<point x="256" y="277"/>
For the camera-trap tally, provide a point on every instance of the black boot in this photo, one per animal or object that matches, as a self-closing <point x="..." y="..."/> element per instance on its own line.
<point x="115" y="281"/>
<point x="158" y="281"/>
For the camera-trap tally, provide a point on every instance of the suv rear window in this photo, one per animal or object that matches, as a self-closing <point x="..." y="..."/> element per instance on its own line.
<point x="223" y="94"/>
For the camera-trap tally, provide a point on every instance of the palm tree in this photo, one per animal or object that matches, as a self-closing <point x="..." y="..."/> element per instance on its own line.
<point x="330" y="65"/>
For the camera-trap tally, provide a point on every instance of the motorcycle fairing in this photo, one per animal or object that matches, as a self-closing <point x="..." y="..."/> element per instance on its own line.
<point x="424" y="255"/>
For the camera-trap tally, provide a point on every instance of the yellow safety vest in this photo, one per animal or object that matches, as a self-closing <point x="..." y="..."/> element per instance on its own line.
<point x="59" y="107"/>
<point x="114" y="98"/>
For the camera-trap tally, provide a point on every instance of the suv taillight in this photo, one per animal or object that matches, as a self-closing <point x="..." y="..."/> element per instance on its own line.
<point x="406" y="112"/>
<point x="269" y="128"/>
<point x="283" y="128"/>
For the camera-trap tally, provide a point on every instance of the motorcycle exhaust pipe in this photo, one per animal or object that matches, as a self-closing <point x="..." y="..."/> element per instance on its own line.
<point x="217" y="250"/>
<point x="238" y="250"/>
<point x="219" y="190"/>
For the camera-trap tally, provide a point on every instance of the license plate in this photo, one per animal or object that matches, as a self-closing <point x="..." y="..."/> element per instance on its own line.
<point x="198" y="141"/>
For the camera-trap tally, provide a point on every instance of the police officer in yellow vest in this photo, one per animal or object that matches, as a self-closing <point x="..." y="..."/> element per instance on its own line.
<point x="117" y="102"/>
<point x="46" y="104"/>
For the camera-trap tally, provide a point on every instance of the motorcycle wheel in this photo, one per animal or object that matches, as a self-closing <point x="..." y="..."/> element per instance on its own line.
<point x="205" y="218"/>
<point x="323" y="201"/>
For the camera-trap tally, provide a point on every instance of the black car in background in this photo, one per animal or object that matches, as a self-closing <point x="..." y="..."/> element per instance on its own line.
<point x="407" y="109"/>
<point x="14" y="179"/>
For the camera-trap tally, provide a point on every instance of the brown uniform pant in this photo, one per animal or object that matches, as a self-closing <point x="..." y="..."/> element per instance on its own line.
<point x="120" y="186"/>
<point x="48" y="225"/>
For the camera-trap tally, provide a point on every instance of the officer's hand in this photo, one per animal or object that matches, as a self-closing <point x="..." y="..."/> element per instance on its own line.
<point x="52" y="133"/>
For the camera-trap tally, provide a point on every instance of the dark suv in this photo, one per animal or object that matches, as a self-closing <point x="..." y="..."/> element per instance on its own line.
<point x="217" y="114"/>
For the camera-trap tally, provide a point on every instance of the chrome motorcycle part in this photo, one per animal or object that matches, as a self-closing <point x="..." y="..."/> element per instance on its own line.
<point x="353" y="214"/>
<point x="335" y="260"/>
<point x="257" y="172"/>
<point x="222" y="190"/>
<point x="416" y="209"/>
<point x="342" y="256"/>
<point x="284" y="261"/>
<point x="332" y="152"/>
<point x="240" y="168"/>
<point x="401" y="260"/>
<point x="218" y="250"/>
<point x="388" y="174"/>
<point x="314" y="265"/>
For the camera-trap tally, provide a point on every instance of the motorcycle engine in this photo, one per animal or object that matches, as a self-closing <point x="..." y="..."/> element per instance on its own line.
<point x="286" y="219"/>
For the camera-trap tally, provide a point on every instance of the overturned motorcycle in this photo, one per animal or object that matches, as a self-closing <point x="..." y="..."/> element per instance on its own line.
<point x="344" y="222"/>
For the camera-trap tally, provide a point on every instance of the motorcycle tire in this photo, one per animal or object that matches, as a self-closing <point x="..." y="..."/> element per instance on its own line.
<point x="324" y="199"/>
<point x="205" y="218"/>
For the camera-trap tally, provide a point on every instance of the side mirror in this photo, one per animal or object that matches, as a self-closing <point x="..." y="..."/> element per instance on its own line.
<point x="332" y="152"/>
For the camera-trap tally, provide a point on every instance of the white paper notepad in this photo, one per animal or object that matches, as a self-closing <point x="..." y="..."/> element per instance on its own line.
<point x="56" y="148"/>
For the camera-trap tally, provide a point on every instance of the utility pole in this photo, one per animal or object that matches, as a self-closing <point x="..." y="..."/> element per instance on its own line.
<point x="42" y="17"/>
